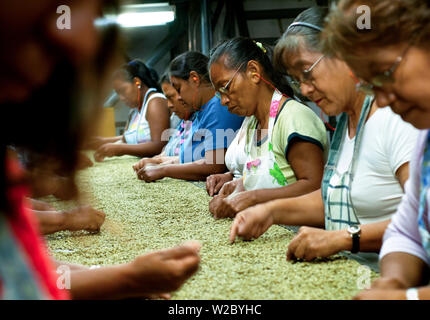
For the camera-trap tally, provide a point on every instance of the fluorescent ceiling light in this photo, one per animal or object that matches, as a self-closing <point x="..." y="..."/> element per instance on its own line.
<point x="141" y="15"/>
<point x="143" y="19"/>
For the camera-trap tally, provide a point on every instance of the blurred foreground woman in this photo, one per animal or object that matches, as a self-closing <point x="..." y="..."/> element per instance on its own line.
<point x="46" y="74"/>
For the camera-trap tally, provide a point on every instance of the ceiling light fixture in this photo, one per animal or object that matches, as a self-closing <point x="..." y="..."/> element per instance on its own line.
<point x="140" y="15"/>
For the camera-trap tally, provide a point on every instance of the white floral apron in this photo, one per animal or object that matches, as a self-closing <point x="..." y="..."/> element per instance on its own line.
<point x="261" y="171"/>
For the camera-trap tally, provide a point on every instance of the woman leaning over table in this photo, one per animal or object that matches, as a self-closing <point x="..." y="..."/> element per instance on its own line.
<point x="184" y="112"/>
<point x="69" y="68"/>
<point x="285" y="142"/>
<point x="213" y="127"/>
<point x="367" y="165"/>
<point x="137" y="86"/>
<point x="398" y="72"/>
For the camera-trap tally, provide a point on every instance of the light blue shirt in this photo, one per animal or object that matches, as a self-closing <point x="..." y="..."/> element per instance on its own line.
<point x="213" y="128"/>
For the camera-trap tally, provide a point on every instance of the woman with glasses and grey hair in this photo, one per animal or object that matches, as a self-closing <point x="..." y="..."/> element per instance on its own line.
<point x="285" y="143"/>
<point x="367" y="165"/>
<point x="398" y="72"/>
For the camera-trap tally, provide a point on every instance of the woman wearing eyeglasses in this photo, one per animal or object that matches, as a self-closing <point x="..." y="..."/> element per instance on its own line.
<point x="398" y="72"/>
<point x="285" y="142"/>
<point x="213" y="127"/>
<point x="367" y="165"/>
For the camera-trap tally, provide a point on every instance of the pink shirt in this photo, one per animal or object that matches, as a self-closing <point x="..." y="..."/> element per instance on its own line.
<point x="402" y="234"/>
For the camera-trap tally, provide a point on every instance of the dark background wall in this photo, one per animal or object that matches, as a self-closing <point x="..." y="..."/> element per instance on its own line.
<point x="262" y="20"/>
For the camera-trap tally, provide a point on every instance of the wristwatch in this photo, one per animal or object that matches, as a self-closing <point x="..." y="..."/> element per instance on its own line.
<point x="355" y="231"/>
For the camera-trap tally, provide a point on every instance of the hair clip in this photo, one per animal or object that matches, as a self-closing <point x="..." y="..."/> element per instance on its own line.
<point x="260" y="45"/>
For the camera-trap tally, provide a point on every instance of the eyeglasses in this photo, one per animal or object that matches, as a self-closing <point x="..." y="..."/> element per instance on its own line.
<point x="225" y="89"/>
<point x="306" y="76"/>
<point x="383" y="79"/>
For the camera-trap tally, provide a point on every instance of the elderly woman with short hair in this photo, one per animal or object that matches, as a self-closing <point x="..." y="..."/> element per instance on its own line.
<point x="398" y="72"/>
<point x="367" y="165"/>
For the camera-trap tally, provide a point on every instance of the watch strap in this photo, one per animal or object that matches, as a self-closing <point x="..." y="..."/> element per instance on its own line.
<point x="355" y="242"/>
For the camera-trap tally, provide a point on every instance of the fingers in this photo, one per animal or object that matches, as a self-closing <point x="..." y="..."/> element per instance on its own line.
<point x="222" y="210"/>
<point x="141" y="174"/>
<point x="101" y="215"/>
<point x="139" y="165"/>
<point x="299" y="249"/>
<point x="235" y="227"/>
<point x="226" y="189"/>
<point x="213" y="206"/>
<point x="185" y="259"/>
<point x="99" y="218"/>
<point x="98" y="156"/>
<point x="184" y="250"/>
<point x="188" y="265"/>
<point x="193" y="244"/>
<point x="210" y="182"/>
<point x="291" y="250"/>
<point x="218" y="187"/>
<point x="299" y="252"/>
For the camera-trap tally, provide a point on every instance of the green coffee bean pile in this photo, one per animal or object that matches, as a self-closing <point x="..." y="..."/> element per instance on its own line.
<point x="141" y="217"/>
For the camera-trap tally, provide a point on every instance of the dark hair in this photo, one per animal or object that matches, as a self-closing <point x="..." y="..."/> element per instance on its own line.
<point x="392" y="22"/>
<point x="137" y="68"/>
<point x="297" y="35"/>
<point x="241" y="50"/>
<point x="183" y="64"/>
<point x="164" y="78"/>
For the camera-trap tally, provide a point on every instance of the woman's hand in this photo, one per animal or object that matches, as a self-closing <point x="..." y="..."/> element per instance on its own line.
<point x="251" y="223"/>
<point x="228" y="207"/>
<point x="151" y="173"/>
<point x="84" y="218"/>
<point x="215" y="182"/>
<point x="228" y="188"/>
<point x="217" y="206"/>
<point x="311" y="243"/>
<point x="140" y="164"/>
<point x="214" y="205"/>
<point x="106" y="150"/>
<point x="163" y="271"/>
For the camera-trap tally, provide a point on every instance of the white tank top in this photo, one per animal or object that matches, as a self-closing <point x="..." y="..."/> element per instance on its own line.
<point x="139" y="131"/>
<point x="235" y="157"/>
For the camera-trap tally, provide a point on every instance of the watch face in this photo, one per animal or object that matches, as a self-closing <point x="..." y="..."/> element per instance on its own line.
<point x="354" y="229"/>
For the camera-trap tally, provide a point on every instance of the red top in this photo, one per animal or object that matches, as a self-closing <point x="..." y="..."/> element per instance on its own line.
<point x="25" y="229"/>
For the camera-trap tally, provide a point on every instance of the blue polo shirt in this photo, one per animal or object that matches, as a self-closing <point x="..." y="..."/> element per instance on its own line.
<point x="213" y="127"/>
